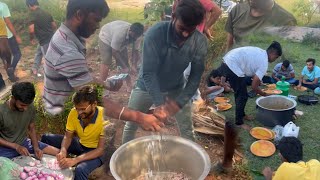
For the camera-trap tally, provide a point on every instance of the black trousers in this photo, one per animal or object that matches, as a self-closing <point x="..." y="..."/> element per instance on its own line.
<point x="239" y="86"/>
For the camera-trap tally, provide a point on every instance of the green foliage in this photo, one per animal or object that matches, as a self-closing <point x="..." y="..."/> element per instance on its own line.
<point x="155" y="10"/>
<point x="304" y="9"/>
<point x="217" y="43"/>
<point x="56" y="124"/>
<point x="311" y="40"/>
<point x="19" y="10"/>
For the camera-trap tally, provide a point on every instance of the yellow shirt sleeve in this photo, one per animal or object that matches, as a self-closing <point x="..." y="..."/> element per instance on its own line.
<point x="3" y="28"/>
<point x="105" y="123"/>
<point x="70" y="121"/>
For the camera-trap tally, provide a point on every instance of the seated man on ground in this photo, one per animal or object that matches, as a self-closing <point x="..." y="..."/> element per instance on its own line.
<point x="293" y="167"/>
<point x="85" y="121"/>
<point x="17" y="117"/>
<point x="310" y="75"/>
<point x="283" y="69"/>
<point x="214" y="87"/>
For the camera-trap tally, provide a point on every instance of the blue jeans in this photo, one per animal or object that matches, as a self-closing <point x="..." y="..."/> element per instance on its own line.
<point x="12" y="153"/>
<point x="291" y="81"/>
<point x="310" y="86"/>
<point x="15" y="50"/>
<point x="83" y="169"/>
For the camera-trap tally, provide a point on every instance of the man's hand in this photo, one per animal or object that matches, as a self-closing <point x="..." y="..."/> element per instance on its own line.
<point x="304" y="81"/>
<point x="22" y="150"/>
<point x="161" y="113"/>
<point x="114" y="85"/>
<point x="39" y="153"/>
<point x="267" y="173"/>
<point x="208" y="33"/>
<point x="18" y="39"/>
<point x="67" y="162"/>
<point x="151" y="123"/>
<point x="61" y="155"/>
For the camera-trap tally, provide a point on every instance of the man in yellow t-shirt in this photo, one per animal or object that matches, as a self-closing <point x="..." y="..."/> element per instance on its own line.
<point x="3" y="28"/>
<point x="5" y="53"/>
<point x="293" y="167"/>
<point x="86" y="122"/>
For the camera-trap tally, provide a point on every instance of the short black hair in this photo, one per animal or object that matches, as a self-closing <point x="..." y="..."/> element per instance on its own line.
<point x="286" y="63"/>
<point x="291" y="149"/>
<point x="24" y="92"/>
<point x="311" y="60"/>
<point x="137" y="28"/>
<point x="191" y="12"/>
<point x="32" y="3"/>
<point x="97" y="6"/>
<point x="85" y="94"/>
<point x="214" y="73"/>
<point x="275" y="47"/>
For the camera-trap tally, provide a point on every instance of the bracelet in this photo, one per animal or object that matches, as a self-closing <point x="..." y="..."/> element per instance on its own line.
<point x="121" y="113"/>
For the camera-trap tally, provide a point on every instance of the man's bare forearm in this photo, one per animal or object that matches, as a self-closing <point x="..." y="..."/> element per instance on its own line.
<point x="8" y="144"/>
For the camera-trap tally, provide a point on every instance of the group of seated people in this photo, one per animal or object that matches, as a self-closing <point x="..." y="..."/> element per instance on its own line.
<point x="84" y="136"/>
<point x="310" y="78"/>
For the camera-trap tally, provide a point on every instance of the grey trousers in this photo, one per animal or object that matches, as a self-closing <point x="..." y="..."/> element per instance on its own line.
<point x="142" y="101"/>
<point x="40" y="53"/>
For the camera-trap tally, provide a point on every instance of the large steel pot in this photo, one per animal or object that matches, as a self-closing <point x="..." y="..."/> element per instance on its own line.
<point x="178" y="155"/>
<point x="275" y="110"/>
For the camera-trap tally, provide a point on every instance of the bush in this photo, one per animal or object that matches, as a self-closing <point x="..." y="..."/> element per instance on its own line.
<point x="55" y="124"/>
<point x="19" y="10"/>
<point x="304" y="9"/>
<point x="311" y="40"/>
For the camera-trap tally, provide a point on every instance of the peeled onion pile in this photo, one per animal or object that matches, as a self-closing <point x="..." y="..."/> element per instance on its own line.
<point x="32" y="173"/>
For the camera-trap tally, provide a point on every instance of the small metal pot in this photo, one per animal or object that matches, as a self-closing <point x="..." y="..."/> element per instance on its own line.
<point x="177" y="154"/>
<point x="275" y="110"/>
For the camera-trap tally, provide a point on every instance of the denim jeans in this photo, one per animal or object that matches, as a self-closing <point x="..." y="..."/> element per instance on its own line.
<point x="310" y="86"/>
<point x="291" y="80"/>
<point x="83" y="169"/>
<point x="11" y="153"/>
<point x="15" y="50"/>
<point x="141" y="101"/>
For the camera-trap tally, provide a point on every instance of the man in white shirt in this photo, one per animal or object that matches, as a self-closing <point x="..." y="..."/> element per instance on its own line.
<point x="114" y="38"/>
<point x="247" y="61"/>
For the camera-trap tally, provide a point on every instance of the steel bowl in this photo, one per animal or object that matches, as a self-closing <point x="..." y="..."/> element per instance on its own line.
<point x="146" y="154"/>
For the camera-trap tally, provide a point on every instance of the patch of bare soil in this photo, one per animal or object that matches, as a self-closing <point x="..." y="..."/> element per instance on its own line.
<point x="127" y="3"/>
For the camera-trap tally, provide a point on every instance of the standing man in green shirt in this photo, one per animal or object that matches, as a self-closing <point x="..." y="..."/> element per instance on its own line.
<point x="254" y="15"/>
<point x="13" y="39"/>
<point x="17" y="117"/>
<point x="42" y="26"/>
<point x="168" y="49"/>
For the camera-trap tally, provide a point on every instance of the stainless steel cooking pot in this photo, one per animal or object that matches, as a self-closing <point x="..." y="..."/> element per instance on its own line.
<point x="177" y="155"/>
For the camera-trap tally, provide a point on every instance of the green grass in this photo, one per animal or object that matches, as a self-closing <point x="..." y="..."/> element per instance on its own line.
<point x="308" y="123"/>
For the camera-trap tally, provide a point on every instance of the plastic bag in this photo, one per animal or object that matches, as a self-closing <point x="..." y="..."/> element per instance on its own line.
<point x="290" y="129"/>
<point x="9" y="169"/>
<point x="278" y="131"/>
